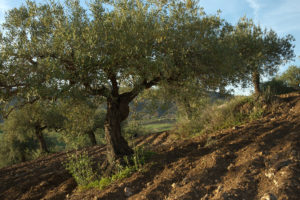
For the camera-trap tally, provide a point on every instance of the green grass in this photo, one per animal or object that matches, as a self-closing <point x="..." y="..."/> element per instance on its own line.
<point x="156" y="125"/>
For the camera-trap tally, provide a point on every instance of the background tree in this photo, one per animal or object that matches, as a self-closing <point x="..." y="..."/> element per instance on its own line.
<point x="291" y="77"/>
<point x="262" y="51"/>
<point x="16" y="147"/>
<point x="82" y="118"/>
<point x="30" y="122"/>
<point x="50" y="49"/>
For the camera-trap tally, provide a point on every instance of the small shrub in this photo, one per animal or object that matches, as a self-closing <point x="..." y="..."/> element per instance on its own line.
<point x="80" y="167"/>
<point x="220" y="115"/>
<point x="101" y="184"/>
<point x="132" y="128"/>
<point x="140" y="157"/>
<point x="275" y="87"/>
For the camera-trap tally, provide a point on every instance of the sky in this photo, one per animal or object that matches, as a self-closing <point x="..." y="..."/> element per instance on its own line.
<point x="283" y="16"/>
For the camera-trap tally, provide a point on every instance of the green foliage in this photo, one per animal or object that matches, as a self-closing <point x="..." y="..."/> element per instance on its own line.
<point x="140" y="157"/>
<point x="79" y="165"/>
<point x="80" y="168"/>
<point x="261" y="50"/>
<point x="220" y="115"/>
<point x="16" y="148"/>
<point x="101" y="184"/>
<point x="291" y="77"/>
<point x="272" y="88"/>
<point x="82" y="116"/>
<point x="19" y="141"/>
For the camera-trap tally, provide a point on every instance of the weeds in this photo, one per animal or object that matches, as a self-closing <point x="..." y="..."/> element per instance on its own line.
<point x="80" y="166"/>
<point x="220" y="115"/>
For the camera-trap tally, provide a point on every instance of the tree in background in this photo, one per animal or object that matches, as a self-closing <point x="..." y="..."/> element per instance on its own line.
<point x="291" y="77"/>
<point x="82" y="117"/>
<point x="262" y="51"/>
<point x="16" y="147"/>
<point x="30" y="122"/>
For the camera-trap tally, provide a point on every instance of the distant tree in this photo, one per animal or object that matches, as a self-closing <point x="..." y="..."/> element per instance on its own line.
<point x="52" y="49"/>
<point x="291" y="77"/>
<point x="82" y="117"/>
<point x="16" y="147"/>
<point x="31" y="121"/>
<point x="262" y="51"/>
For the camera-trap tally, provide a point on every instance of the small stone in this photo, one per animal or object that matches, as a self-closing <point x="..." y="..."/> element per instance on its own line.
<point x="268" y="196"/>
<point x="282" y="164"/>
<point x="148" y="184"/>
<point x="174" y="185"/>
<point x="185" y="181"/>
<point x="219" y="189"/>
<point x="205" y="197"/>
<point x="269" y="174"/>
<point x="128" y="191"/>
<point x="231" y="166"/>
<point x="276" y="183"/>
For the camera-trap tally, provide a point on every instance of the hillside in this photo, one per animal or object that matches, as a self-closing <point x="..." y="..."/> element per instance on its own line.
<point x="257" y="160"/>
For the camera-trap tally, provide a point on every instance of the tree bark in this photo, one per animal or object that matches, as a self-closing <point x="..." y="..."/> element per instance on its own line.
<point x="117" y="146"/>
<point x="256" y="82"/>
<point x="92" y="137"/>
<point x="41" y="139"/>
<point x="23" y="158"/>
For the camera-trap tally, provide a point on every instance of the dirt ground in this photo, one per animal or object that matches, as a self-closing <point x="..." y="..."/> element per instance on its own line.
<point x="258" y="160"/>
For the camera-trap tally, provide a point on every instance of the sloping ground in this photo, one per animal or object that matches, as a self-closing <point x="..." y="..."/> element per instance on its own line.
<point x="259" y="160"/>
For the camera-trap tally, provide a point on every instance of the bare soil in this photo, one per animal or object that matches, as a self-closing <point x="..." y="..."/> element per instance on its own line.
<point x="258" y="160"/>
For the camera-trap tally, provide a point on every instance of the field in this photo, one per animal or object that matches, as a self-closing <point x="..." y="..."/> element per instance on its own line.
<point x="256" y="160"/>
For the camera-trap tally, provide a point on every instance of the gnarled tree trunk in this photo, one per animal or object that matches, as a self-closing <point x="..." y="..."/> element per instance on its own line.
<point x="117" y="146"/>
<point x="92" y="137"/>
<point x="256" y="82"/>
<point x="41" y="139"/>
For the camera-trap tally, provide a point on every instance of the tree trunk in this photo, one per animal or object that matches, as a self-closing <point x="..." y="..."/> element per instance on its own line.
<point x="23" y="158"/>
<point x="92" y="137"/>
<point x="41" y="139"/>
<point x="117" y="146"/>
<point x="256" y="82"/>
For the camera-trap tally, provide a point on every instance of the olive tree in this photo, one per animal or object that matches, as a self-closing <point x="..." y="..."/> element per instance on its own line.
<point x="291" y="76"/>
<point x="31" y="121"/>
<point x="261" y="50"/>
<point x="82" y="118"/>
<point x="54" y="49"/>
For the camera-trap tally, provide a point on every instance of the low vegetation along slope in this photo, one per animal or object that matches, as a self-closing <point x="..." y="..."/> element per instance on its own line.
<point x="257" y="160"/>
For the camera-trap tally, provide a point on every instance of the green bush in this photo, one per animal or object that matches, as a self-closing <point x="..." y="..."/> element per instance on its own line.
<point x="79" y="165"/>
<point x="292" y="77"/>
<point x="219" y="115"/>
<point x="276" y="86"/>
<point x="16" y="148"/>
<point x="139" y="158"/>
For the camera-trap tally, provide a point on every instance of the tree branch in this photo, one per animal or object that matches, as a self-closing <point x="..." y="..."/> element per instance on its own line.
<point x="19" y="106"/>
<point x="129" y="96"/>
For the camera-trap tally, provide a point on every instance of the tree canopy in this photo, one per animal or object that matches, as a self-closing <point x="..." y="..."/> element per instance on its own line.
<point x="261" y="50"/>
<point x="117" y="49"/>
<point x="291" y="76"/>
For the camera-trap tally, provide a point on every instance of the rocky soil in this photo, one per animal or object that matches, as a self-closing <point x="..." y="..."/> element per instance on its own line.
<point x="258" y="160"/>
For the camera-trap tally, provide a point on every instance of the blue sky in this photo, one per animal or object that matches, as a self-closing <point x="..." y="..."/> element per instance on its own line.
<point x="283" y="16"/>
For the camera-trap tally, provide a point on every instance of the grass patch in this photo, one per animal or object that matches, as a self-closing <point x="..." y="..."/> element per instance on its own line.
<point x="80" y="166"/>
<point x="221" y="115"/>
